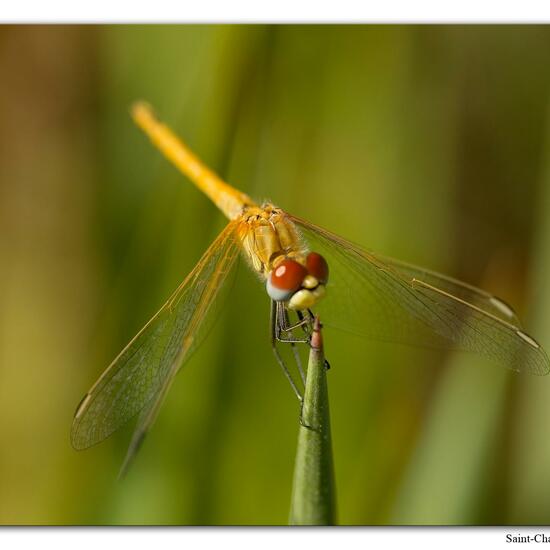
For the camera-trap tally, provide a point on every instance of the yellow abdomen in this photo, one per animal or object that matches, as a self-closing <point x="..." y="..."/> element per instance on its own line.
<point x="266" y="234"/>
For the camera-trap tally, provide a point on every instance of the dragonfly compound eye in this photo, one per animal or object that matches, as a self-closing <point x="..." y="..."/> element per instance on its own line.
<point x="285" y="280"/>
<point x="317" y="266"/>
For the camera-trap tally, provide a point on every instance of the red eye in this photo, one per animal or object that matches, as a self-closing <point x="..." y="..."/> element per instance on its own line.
<point x="317" y="266"/>
<point x="288" y="275"/>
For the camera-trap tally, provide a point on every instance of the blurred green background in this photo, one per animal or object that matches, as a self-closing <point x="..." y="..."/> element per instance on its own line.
<point x="428" y="143"/>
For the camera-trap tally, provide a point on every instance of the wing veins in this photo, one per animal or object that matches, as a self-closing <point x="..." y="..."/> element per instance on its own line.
<point x="391" y="297"/>
<point x="175" y="335"/>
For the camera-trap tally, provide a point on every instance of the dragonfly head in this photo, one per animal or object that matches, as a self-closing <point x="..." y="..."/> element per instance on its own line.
<point x="302" y="286"/>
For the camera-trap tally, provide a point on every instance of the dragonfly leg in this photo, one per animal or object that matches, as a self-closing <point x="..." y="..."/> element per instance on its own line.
<point x="302" y="322"/>
<point x="283" y="328"/>
<point x="306" y="321"/>
<point x="274" y="340"/>
<point x="304" y="425"/>
<point x="298" y="362"/>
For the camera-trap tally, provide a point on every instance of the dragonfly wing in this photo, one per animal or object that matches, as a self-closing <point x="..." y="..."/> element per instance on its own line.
<point x="391" y="301"/>
<point x="475" y="296"/>
<point x="146" y="419"/>
<point x="140" y="376"/>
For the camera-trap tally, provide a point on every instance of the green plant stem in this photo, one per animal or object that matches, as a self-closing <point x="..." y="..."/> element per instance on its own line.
<point x="313" y="490"/>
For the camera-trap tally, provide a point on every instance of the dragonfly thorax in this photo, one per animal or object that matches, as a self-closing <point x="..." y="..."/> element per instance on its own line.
<point x="268" y="236"/>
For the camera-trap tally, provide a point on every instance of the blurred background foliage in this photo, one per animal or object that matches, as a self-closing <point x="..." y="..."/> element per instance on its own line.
<point x="429" y="143"/>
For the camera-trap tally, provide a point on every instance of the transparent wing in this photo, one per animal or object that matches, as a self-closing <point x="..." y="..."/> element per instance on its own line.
<point x="468" y="293"/>
<point x="139" y="377"/>
<point x="388" y="300"/>
<point x="145" y="420"/>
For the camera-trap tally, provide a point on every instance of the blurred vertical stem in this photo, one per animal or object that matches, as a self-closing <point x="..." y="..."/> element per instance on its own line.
<point x="313" y="490"/>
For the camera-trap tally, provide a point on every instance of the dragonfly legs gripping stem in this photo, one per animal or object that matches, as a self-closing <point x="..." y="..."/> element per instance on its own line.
<point x="286" y="371"/>
<point x="282" y="331"/>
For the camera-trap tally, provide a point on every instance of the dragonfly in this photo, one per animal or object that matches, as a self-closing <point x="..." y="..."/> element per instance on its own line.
<point x="368" y="294"/>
